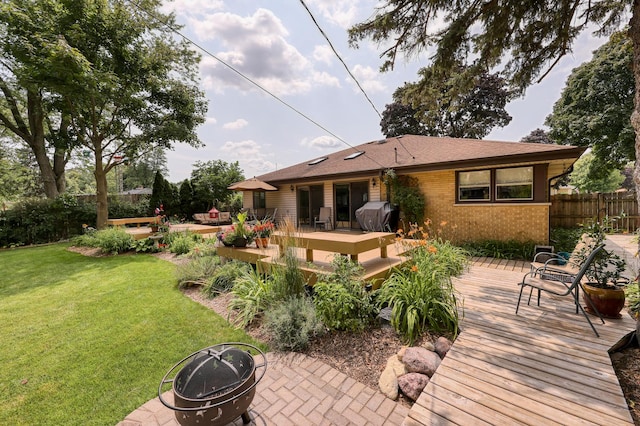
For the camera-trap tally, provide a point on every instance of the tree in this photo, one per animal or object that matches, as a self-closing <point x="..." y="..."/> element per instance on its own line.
<point x="525" y="38"/>
<point x="538" y="136"/>
<point x="581" y="177"/>
<point x="595" y="106"/>
<point x="115" y="73"/>
<point x="140" y="173"/>
<point x="210" y="180"/>
<point x="440" y="105"/>
<point x="186" y="199"/>
<point x="399" y="119"/>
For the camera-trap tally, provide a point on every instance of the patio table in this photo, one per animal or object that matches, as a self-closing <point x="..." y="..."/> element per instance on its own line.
<point x="338" y="242"/>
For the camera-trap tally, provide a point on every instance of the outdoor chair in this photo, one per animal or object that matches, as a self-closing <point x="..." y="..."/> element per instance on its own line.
<point x="323" y="219"/>
<point x="569" y="285"/>
<point x="558" y="268"/>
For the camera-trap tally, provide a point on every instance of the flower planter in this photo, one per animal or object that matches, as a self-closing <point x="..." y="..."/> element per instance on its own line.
<point x="262" y="242"/>
<point x="238" y="242"/>
<point x="608" y="301"/>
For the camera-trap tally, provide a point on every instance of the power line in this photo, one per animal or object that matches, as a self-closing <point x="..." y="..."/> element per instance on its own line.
<point x="204" y="50"/>
<point x="340" y="58"/>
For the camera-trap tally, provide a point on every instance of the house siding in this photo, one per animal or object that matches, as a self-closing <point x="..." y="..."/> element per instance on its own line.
<point x="466" y="222"/>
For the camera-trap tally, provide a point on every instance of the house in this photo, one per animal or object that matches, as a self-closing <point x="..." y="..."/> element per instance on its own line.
<point x="481" y="189"/>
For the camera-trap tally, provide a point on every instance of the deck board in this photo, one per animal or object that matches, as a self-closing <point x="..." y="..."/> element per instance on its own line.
<point x="542" y="366"/>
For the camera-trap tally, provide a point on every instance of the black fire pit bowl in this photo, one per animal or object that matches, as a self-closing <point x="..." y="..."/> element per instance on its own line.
<point x="214" y="385"/>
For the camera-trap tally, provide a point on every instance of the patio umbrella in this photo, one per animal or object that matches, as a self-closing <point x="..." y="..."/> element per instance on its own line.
<point x="252" y="184"/>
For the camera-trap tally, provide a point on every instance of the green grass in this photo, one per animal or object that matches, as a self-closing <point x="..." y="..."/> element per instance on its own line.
<point x="85" y="341"/>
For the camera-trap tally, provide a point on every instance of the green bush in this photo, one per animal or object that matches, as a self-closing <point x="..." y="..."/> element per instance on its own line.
<point x="292" y="324"/>
<point x="341" y="300"/>
<point x="114" y="240"/>
<point x="145" y="245"/>
<point x="288" y="279"/>
<point x="421" y="293"/>
<point x="224" y="277"/>
<point x="253" y="294"/>
<point x="206" y="247"/>
<point x="565" y="239"/>
<point x="196" y="271"/>
<point x="498" y="249"/>
<point x="181" y="243"/>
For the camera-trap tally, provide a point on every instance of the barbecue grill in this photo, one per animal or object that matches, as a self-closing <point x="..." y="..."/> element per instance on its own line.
<point x="214" y="385"/>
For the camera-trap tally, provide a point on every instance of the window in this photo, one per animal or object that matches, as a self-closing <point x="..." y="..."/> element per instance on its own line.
<point x="259" y="200"/>
<point x="501" y="185"/>
<point x="474" y="186"/>
<point x="514" y="184"/>
<point x="354" y="155"/>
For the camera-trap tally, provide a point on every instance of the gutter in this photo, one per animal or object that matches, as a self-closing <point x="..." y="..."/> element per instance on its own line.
<point x="565" y="173"/>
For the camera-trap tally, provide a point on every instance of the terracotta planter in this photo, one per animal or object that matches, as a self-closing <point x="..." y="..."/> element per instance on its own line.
<point x="608" y="301"/>
<point x="262" y="242"/>
<point x="154" y="228"/>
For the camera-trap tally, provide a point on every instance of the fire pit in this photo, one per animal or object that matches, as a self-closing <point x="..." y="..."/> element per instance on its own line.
<point x="214" y="385"/>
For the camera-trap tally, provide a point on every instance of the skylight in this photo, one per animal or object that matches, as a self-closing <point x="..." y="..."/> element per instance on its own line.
<point x="316" y="161"/>
<point x="354" y="155"/>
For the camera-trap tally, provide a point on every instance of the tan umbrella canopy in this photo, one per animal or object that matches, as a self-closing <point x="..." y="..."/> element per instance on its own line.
<point x="252" y="184"/>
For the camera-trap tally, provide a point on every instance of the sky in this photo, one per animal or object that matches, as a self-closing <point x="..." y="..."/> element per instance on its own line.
<point x="320" y="108"/>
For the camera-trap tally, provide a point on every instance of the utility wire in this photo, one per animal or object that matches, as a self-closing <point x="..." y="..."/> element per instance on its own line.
<point x="340" y="58"/>
<point x="291" y="107"/>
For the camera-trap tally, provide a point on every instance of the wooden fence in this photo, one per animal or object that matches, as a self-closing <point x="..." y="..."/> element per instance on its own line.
<point x="621" y="209"/>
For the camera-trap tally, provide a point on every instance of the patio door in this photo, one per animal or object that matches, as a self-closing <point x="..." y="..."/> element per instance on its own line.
<point x="310" y="199"/>
<point x="349" y="197"/>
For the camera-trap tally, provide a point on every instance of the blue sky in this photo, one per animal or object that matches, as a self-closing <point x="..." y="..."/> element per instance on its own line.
<point x="276" y="44"/>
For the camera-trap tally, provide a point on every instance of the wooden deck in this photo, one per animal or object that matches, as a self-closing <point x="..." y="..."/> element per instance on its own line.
<point x="142" y="232"/>
<point x="544" y="366"/>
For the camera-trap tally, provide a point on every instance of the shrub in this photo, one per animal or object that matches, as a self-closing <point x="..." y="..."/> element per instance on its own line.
<point x="224" y="277"/>
<point x="206" y="247"/>
<point x="341" y="299"/>
<point x="511" y="249"/>
<point x="253" y="295"/>
<point x="292" y="324"/>
<point x="145" y="245"/>
<point x="114" y="240"/>
<point x="565" y="239"/>
<point x="421" y="293"/>
<point x="288" y="279"/>
<point x="196" y="271"/>
<point x="181" y="243"/>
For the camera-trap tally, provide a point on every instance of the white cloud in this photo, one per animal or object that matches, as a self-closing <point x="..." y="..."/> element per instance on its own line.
<point x="325" y="79"/>
<point x="256" y="46"/>
<point x="323" y="53"/>
<point x="343" y="13"/>
<point x="369" y="79"/>
<point x="321" y="142"/>
<point x="210" y="120"/>
<point x="235" y="125"/>
<point x="191" y="7"/>
<point x="242" y="148"/>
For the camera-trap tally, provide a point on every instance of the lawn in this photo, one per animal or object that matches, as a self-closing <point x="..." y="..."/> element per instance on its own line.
<point x="87" y="340"/>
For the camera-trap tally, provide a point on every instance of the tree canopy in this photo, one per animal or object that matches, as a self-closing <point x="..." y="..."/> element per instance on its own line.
<point x="210" y="179"/>
<point x="582" y="176"/>
<point x="595" y="106"/>
<point x="538" y="136"/>
<point x="442" y="105"/>
<point x="118" y="79"/>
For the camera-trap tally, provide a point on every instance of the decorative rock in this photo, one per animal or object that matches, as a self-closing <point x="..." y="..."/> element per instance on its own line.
<point x="388" y="383"/>
<point x="442" y="346"/>
<point x="429" y="346"/>
<point x="401" y="352"/>
<point x="412" y="384"/>
<point x="421" y="360"/>
<point x="397" y="365"/>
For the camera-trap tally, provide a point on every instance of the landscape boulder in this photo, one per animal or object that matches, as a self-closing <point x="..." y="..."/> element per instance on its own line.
<point x="412" y="384"/>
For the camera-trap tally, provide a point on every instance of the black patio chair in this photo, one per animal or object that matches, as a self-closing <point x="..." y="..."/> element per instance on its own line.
<point x="562" y="287"/>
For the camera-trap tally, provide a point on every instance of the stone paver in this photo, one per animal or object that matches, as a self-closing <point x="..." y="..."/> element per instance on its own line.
<point x="313" y="393"/>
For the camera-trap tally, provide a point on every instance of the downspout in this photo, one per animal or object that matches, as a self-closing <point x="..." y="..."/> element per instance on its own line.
<point x="568" y="171"/>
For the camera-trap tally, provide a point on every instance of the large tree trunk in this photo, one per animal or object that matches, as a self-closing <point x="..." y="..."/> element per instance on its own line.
<point x="102" y="201"/>
<point x="634" y="35"/>
<point x="37" y="144"/>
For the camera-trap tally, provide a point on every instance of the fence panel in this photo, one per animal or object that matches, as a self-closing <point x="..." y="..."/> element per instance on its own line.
<point x="570" y="210"/>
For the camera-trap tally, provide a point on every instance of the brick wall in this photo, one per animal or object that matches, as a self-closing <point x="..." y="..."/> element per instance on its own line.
<point x="522" y="222"/>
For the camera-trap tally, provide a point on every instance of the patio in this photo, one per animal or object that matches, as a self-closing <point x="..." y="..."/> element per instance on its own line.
<point x="542" y="366"/>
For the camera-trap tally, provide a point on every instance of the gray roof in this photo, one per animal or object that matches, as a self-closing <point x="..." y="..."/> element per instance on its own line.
<point x="412" y="153"/>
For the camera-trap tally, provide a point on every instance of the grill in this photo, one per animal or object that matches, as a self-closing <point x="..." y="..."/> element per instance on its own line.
<point x="214" y="385"/>
<point x="376" y="216"/>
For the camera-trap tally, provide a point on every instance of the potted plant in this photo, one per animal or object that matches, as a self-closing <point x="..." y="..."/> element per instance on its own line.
<point x="239" y="234"/>
<point x="263" y="232"/>
<point x="605" y="285"/>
